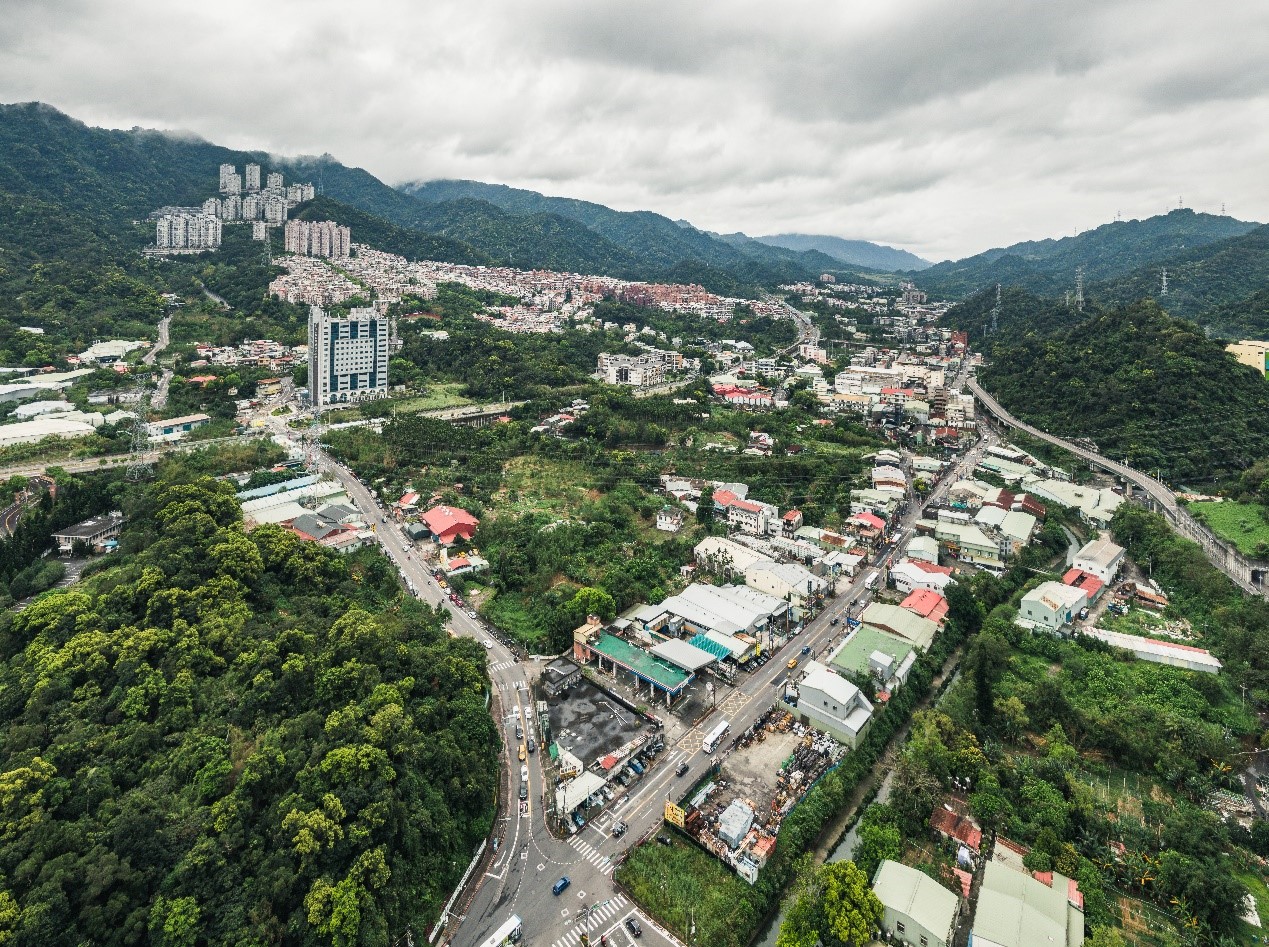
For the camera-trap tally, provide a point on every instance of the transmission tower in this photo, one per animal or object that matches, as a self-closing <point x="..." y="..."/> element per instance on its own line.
<point x="138" y="467"/>
<point x="1079" y="288"/>
<point x="995" y="312"/>
<point x="1163" y="291"/>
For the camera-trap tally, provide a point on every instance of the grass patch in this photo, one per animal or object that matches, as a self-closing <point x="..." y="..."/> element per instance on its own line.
<point x="679" y="885"/>
<point x="1243" y="524"/>
<point x="513" y="616"/>
<point x="534" y="484"/>
<point x="437" y="398"/>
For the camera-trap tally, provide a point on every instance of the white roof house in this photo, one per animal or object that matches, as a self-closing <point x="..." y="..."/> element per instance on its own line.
<point x="726" y="608"/>
<point x="785" y="580"/>
<point x="829" y="702"/>
<point x="1051" y="605"/>
<point x="1101" y="557"/>
<point x="925" y="548"/>
<point x="917" y="909"/>
<point x="1161" y="652"/>
<point x="719" y="553"/>
<point x="1095" y="505"/>
<point x="681" y="654"/>
<point x="910" y="575"/>
<point x="37" y="408"/>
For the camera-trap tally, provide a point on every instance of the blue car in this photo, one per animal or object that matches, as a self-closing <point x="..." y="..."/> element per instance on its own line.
<point x="560" y="885"/>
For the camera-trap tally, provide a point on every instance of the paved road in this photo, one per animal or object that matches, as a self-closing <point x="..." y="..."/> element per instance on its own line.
<point x="162" y="342"/>
<point x="529" y="858"/>
<point x="1217" y="553"/>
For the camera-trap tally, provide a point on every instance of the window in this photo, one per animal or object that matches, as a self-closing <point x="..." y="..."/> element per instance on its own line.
<point x="899" y="926"/>
<point x="925" y="941"/>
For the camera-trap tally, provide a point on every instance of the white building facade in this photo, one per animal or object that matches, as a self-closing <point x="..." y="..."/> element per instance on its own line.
<point x="347" y="356"/>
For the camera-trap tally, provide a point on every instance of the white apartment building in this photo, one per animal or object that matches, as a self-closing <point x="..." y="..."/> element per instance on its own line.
<point x="275" y="209"/>
<point x="347" y="356"/>
<point x="323" y="238"/>
<point x="274" y="180"/>
<point x="187" y="232"/>
<point x="231" y="208"/>
<point x="252" y="207"/>
<point x="639" y="371"/>
<point x="252" y="177"/>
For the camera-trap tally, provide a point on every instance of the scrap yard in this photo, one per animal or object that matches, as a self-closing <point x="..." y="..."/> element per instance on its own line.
<point x="735" y="812"/>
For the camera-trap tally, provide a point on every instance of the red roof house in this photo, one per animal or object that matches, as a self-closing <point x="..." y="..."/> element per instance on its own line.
<point x="1086" y="582"/>
<point x="449" y="524"/>
<point x="962" y="828"/>
<point x="927" y="603"/>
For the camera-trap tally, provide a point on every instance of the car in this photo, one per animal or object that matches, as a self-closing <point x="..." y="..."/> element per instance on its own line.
<point x="634" y="927"/>
<point x="618" y="829"/>
<point x="682" y="768"/>
<point x="806" y="650"/>
<point x="533" y="744"/>
<point x="579" y="820"/>
<point x="519" y="732"/>
<point x="560" y="885"/>
<point x="488" y="643"/>
<point x="793" y="662"/>
<point x="835" y="622"/>
<point x="524" y="791"/>
<point x="524" y="773"/>
<point x="523" y="753"/>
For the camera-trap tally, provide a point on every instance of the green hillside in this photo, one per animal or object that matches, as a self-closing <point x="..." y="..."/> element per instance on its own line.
<point x="378" y="233"/>
<point x="1107" y="252"/>
<point x="1144" y="386"/>
<point x="1202" y="282"/>
<point x="655" y="241"/>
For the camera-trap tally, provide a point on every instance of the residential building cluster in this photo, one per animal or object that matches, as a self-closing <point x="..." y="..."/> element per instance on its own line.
<point x="646" y="370"/>
<point x="186" y="233"/>
<point x="313" y="507"/>
<point x="261" y="353"/>
<point x="547" y="301"/>
<point x="323" y="238"/>
<point x="309" y="281"/>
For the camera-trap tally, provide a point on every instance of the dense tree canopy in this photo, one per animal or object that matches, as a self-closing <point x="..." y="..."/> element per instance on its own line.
<point x="235" y="739"/>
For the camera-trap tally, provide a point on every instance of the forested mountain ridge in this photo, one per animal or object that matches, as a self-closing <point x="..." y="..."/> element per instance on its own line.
<point x="1208" y="284"/>
<point x="1106" y="252"/>
<point x="235" y="739"/>
<point x="656" y="241"/>
<point x="1146" y="387"/>
<point x="857" y="252"/>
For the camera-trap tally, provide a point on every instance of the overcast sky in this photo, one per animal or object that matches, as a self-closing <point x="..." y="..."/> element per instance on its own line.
<point x="941" y="127"/>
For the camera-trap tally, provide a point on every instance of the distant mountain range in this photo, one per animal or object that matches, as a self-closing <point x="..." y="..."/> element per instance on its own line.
<point x="1107" y="252"/>
<point x="857" y="252"/>
<point x="65" y="186"/>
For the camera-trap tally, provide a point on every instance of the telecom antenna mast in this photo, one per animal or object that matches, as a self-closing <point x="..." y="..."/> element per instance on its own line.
<point x="1079" y="288"/>
<point x="1163" y="291"/>
<point x="995" y="312"/>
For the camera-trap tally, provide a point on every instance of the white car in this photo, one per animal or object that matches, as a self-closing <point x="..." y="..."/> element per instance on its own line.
<point x="488" y="643"/>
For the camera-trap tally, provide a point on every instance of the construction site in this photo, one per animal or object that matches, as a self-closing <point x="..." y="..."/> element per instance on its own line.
<point x="736" y="810"/>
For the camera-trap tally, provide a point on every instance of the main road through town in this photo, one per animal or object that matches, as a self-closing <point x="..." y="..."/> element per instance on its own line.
<point x="529" y="859"/>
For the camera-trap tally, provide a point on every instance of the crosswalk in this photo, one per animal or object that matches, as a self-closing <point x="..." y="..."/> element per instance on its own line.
<point x="502" y="666"/>
<point x="592" y="855"/>
<point x="600" y="920"/>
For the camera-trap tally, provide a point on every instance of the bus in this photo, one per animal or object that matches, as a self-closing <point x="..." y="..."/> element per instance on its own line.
<point x="711" y="741"/>
<point x="509" y="933"/>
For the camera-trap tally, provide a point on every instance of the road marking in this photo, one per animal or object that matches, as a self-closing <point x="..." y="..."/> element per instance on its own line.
<point x="592" y="855"/>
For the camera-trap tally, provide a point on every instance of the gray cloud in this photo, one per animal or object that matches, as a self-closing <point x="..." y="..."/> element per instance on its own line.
<point x="942" y="128"/>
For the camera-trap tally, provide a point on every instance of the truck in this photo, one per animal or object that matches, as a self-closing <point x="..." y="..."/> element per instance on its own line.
<point x="870" y="583"/>
<point x="715" y="735"/>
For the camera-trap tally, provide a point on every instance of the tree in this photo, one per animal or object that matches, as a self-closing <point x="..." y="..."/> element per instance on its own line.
<point x="833" y="905"/>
